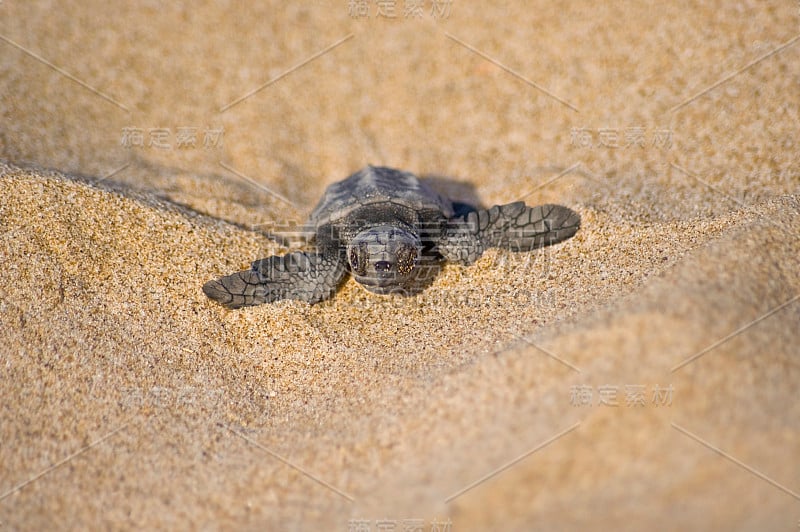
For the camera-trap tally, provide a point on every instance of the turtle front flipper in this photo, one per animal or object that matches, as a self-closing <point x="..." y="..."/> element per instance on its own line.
<point x="514" y="226"/>
<point x="310" y="277"/>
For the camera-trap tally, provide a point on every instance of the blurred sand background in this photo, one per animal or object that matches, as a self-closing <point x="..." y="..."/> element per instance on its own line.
<point x="129" y="401"/>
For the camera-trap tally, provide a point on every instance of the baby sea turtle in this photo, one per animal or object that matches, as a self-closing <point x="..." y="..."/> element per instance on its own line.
<point x="390" y="231"/>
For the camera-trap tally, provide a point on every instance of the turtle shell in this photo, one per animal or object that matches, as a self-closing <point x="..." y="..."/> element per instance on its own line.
<point x="373" y="185"/>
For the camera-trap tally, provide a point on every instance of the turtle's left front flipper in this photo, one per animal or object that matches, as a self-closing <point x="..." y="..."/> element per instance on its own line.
<point x="310" y="277"/>
<point x="513" y="226"/>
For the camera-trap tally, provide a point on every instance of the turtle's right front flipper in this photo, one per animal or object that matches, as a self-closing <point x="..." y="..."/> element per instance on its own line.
<point x="513" y="226"/>
<point x="309" y="277"/>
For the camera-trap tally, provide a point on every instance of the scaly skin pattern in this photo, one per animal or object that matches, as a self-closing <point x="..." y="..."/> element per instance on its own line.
<point x="514" y="226"/>
<point x="388" y="199"/>
<point x="310" y="277"/>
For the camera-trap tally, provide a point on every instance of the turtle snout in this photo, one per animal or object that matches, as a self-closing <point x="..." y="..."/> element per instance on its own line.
<point x="382" y="258"/>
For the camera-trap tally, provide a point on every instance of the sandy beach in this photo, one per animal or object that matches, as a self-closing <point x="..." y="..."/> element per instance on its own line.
<point x="642" y="374"/>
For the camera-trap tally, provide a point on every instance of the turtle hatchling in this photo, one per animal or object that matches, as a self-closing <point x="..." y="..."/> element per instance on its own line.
<point x="390" y="231"/>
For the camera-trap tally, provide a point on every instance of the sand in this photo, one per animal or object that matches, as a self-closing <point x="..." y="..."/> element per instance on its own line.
<point x="641" y="374"/>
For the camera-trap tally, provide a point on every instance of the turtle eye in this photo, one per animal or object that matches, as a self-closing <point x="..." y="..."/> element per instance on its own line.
<point x="355" y="263"/>
<point x="406" y="259"/>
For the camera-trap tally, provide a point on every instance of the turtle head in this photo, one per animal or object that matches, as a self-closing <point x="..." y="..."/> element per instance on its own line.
<point x="383" y="258"/>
